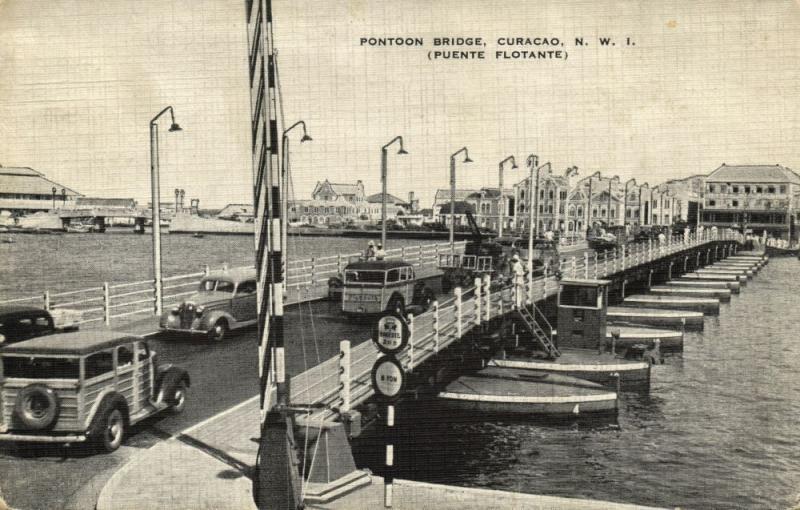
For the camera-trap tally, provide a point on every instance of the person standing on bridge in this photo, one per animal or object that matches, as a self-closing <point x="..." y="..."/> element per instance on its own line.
<point x="379" y="253"/>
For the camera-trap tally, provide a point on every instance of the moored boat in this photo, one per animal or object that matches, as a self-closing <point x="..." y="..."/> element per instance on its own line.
<point x="734" y="287"/>
<point x="508" y="391"/>
<point x="709" y="306"/>
<point x="669" y="339"/>
<point x="679" y="319"/>
<point x="724" y="295"/>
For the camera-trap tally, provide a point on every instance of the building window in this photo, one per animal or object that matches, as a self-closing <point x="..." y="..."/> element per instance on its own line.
<point x="712" y="203"/>
<point x="783" y="189"/>
<point x="759" y="189"/>
<point x="723" y="188"/>
<point x="736" y="189"/>
<point x="747" y="190"/>
<point x="735" y="203"/>
<point x="771" y="189"/>
<point x="712" y="188"/>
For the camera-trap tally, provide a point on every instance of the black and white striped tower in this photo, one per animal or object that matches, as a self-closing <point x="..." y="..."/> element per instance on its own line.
<point x="276" y="481"/>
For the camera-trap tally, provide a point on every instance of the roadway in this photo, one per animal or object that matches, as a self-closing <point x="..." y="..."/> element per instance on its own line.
<point x="222" y="375"/>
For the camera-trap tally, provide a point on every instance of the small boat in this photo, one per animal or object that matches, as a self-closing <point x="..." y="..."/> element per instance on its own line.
<point x="709" y="306"/>
<point x="521" y="392"/>
<point x="669" y="339"/>
<point x="734" y="287"/>
<point x="601" y="367"/>
<point x="78" y="229"/>
<point x="198" y="235"/>
<point x="775" y="251"/>
<point x="679" y="319"/>
<point x="724" y="295"/>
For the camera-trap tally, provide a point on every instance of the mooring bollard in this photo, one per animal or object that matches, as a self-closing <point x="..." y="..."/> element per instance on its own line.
<point x="344" y="375"/>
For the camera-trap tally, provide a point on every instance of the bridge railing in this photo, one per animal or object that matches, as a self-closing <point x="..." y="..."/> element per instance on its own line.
<point x="344" y="381"/>
<point x="306" y="280"/>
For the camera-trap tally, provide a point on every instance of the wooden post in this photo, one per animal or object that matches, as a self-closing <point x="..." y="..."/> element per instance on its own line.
<point x="339" y="263"/>
<point x="650" y="280"/>
<point x="478" y="285"/>
<point x="457" y="293"/>
<point x="402" y="253"/>
<point x="649" y="250"/>
<point x="46" y="299"/>
<point x="685" y="262"/>
<point x="574" y="265"/>
<point x="206" y="270"/>
<point x="624" y="281"/>
<point x="410" y="342"/>
<point x="529" y="289"/>
<point x="487" y="308"/>
<point x="344" y="375"/>
<point x="623" y="257"/>
<point x="669" y="275"/>
<point x="436" y="326"/>
<point x="544" y="282"/>
<point x="106" y="304"/>
<point x="616" y="260"/>
<point x="605" y="262"/>
<point x="595" y="265"/>
<point x="586" y="264"/>
<point x="313" y="270"/>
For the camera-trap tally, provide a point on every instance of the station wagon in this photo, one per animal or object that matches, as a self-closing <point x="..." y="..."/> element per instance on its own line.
<point x="376" y="286"/>
<point x="83" y="386"/>
<point x="224" y="301"/>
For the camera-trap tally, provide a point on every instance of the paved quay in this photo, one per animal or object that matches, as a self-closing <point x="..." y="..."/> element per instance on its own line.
<point x="208" y="467"/>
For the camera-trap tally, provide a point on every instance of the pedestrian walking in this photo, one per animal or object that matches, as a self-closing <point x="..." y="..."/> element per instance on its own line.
<point x="518" y="273"/>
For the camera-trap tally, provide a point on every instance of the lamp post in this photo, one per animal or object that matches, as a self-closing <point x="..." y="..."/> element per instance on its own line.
<point x="284" y="184"/>
<point x="642" y="216"/>
<point x="453" y="194"/>
<point x="533" y="163"/>
<point x="568" y="173"/>
<point x="625" y="206"/>
<point x="589" y="201"/>
<point x="384" y="161"/>
<point x="502" y="193"/>
<point x="156" y="202"/>
<point x="63" y="197"/>
<point x="536" y="193"/>
<point x="54" y="197"/>
<point x="652" y="203"/>
<point x="608" y="207"/>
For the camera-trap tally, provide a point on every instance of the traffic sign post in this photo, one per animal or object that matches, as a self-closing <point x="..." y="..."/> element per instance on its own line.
<point x="391" y="336"/>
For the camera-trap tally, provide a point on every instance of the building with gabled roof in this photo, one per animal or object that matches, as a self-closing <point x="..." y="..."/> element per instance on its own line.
<point x="25" y="190"/>
<point x="327" y="191"/>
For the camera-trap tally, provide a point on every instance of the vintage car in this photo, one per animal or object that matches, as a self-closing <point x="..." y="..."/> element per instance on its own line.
<point x="83" y="387"/>
<point x="375" y="286"/>
<point x="224" y="301"/>
<point x="18" y="323"/>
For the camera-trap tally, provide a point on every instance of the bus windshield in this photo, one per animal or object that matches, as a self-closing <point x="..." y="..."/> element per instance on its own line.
<point x="365" y="277"/>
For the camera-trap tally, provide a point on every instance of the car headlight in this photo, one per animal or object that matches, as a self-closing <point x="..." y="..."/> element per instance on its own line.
<point x="199" y="310"/>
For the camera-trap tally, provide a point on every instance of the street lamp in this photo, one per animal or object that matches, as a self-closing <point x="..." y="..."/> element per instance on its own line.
<point x="642" y="216"/>
<point x="536" y="192"/>
<point x="63" y="197"/>
<point x="156" y="201"/>
<point x="589" y="201"/>
<point x="384" y="161"/>
<point x="608" y="209"/>
<point x="502" y="193"/>
<point x="284" y="185"/>
<point x="533" y="163"/>
<point x="453" y="194"/>
<point x="54" y="197"/>
<point x="625" y="206"/>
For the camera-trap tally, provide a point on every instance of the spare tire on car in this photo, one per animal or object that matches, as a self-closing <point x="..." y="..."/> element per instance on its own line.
<point x="36" y="407"/>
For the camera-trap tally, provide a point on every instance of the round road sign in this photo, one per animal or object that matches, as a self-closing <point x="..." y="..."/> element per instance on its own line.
<point x="388" y="378"/>
<point x="391" y="334"/>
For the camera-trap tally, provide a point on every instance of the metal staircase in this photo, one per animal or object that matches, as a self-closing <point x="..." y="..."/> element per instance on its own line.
<point x="542" y="336"/>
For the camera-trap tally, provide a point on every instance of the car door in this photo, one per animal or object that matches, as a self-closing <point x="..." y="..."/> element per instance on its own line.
<point x="244" y="302"/>
<point x="145" y="375"/>
<point x="126" y="376"/>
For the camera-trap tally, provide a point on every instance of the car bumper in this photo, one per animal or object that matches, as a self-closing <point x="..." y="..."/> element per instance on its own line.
<point x="35" y="438"/>
<point x="184" y="330"/>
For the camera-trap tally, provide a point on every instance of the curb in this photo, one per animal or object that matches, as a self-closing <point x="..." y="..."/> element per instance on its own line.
<point x="105" y="499"/>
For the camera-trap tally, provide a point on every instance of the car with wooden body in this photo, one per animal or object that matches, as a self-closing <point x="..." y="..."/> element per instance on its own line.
<point x="224" y="301"/>
<point x="79" y="387"/>
<point x="376" y="286"/>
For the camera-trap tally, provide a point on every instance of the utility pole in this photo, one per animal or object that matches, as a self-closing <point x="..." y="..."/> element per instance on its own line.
<point x="503" y="195"/>
<point x="533" y="163"/>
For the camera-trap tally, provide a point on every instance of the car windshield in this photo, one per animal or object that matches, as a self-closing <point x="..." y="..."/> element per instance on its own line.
<point x="364" y="276"/>
<point x="28" y="367"/>
<point x="212" y="285"/>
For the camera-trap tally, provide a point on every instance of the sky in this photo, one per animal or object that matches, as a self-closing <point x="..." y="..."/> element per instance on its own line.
<point x="706" y="83"/>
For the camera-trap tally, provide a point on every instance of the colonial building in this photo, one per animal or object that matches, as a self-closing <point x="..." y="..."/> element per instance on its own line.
<point x="459" y="215"/>
<point x="549" y="206"/>
<point x="442" y="199"/>
<point x="24" y="190"/>
<point x="757" y="197"/>
<point x="394" y="205"/>
<point x="327" y="191"/>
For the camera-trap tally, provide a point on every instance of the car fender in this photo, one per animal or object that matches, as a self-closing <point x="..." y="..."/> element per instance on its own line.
<point x="107" y="394"/>
<point x="167" y="377"/>
<point x="212" y="316"/>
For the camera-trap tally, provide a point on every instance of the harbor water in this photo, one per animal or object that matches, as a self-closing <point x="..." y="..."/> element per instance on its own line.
<point x="719" y="429"/>
<point x="35" y="263"/>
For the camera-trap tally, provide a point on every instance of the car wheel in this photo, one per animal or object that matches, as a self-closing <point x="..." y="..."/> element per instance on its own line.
<point x="219" y="331"/>
<point x="396" y="304"/>
<point x="178" y="398"/>
<point x="37" y="407"/>
<point x="113" y="430"/>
